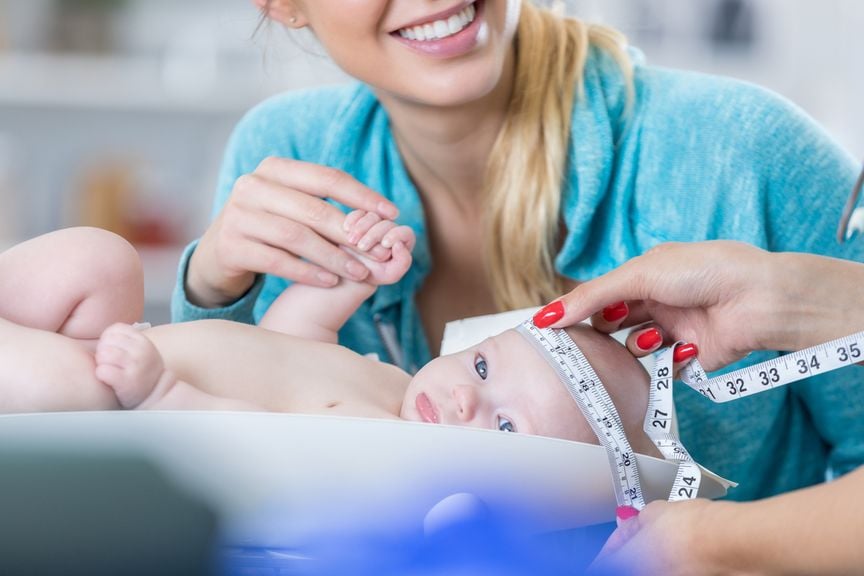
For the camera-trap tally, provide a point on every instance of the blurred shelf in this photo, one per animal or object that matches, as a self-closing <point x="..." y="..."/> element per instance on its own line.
<point x="121" y="83"/>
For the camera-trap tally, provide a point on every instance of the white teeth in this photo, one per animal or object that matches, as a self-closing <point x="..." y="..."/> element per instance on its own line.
<point x="441" y="28"/>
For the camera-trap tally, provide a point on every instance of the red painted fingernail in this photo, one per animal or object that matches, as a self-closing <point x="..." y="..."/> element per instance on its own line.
<point x="549" y="314"/>
<point x="685" y="352"/>
<point x="626" y="512"/>
<point x="616" y="312"/>
<point x="649" y="339"/>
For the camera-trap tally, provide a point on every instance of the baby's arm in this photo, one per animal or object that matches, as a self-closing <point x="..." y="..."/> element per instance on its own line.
<point x="318" y="313"/>
<point x="128" y="363"/>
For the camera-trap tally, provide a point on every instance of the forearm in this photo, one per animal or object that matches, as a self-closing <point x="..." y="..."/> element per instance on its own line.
<point x="811" y="299"/>
<point x="316" y="313"/>
<point x="811" y="531"/>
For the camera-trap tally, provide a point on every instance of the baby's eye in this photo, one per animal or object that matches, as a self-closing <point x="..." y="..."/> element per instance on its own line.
<point x="504" y="425"/>
<point x="480" y="367"/>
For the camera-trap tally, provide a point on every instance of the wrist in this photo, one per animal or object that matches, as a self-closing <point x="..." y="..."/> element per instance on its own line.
<point x="207" y="292"/>
<point x="818" y="299"/>
<point x="724" y="546"/>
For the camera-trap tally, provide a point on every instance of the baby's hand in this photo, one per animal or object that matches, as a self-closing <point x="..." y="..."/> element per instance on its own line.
<point x="383" y="246"/>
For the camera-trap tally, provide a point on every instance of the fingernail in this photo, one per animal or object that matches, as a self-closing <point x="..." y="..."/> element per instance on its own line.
<point x="364" y="245"/>
<point x="649" y="339"/>
<point x="387" y="210"/>
<point x="616" y="312"/>
<point x="550" y="314"/>
<point x="626" y="512"/>
<point x="685" y="352"/>
<point x="327" y="278"/>
<point x="356" y="269"/>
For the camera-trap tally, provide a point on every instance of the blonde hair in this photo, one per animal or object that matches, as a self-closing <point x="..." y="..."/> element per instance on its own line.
<point x="529" y="159"/>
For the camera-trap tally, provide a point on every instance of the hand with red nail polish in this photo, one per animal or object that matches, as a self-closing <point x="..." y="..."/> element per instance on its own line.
<point x="548" y="315"/>
<point x="728" y="297"/>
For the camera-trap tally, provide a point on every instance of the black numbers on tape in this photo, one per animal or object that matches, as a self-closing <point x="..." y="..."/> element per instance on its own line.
<point x="685" y="492"/>
<point x="657" y="423"/>
<point x="769" y="376"/>
<point x="854" y="352"/>
<point x="736" y="386"/>
<point x="803" y="367"/>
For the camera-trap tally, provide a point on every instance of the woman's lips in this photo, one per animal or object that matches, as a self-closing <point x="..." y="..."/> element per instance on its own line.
<point x="452" y="46"/>
<point x="426" y="409"/>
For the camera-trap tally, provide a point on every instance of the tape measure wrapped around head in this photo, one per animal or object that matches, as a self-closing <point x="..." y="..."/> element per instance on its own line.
<point x="587" y="390"/>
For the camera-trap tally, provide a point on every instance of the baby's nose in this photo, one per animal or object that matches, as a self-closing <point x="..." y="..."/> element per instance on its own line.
<point x="466" y="402"/>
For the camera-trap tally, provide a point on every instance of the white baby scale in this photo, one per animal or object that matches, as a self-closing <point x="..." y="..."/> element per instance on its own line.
<point x="283" y="480"/>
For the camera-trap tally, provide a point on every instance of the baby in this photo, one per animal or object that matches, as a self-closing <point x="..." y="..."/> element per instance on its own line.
<point x="291" y="363"/>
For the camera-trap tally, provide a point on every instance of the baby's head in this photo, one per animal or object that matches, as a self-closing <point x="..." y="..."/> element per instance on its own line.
<point x="503" y="383"/>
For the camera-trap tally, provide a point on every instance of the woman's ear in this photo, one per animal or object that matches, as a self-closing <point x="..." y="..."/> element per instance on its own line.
<point x="282" y="11"/>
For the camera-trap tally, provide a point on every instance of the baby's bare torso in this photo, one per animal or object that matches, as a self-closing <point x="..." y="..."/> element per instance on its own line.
<point x="279" y="372"/>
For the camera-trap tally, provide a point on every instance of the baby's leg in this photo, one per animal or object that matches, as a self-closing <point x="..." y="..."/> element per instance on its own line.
<point x="76" y="281"/>
<point x="128" y="362"/>
<point x="46" y="372"/>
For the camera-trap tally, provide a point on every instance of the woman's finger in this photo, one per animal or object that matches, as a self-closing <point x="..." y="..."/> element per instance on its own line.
<point x="644" y="341"/>
<point x="326" y="182"/>
<point x="289" y="242"/>
<point x="261" y="195"/>
<point x="610" y="318"/>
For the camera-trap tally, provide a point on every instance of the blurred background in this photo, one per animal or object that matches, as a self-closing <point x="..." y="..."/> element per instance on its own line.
<point x="115" y="113"/>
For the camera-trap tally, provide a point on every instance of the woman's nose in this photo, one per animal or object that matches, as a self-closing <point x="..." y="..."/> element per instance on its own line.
<point x="466" y="402"/>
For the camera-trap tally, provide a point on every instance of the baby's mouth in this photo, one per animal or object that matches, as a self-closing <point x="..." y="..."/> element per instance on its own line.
<point x="443" y="28"/>
<point x="428" y="412"/>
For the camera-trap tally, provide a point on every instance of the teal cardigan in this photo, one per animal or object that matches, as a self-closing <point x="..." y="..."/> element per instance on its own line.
<point x="697" y="157"/>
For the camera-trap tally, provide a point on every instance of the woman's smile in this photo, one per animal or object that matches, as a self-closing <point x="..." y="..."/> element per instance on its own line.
<point x="450" y="33"/>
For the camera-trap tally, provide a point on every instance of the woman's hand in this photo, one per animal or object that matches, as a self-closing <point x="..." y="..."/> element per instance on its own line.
<point x="277" y="221"/>
<point x="669" y="539"/>
<point x="727" y="297"/>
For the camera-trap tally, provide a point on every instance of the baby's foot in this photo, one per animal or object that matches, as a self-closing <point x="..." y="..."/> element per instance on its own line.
<point x="130" y="364"/>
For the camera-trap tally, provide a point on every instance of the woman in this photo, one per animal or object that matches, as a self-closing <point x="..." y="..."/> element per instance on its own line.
<point x="731" y="298"/>
<point x="527" y="152"/>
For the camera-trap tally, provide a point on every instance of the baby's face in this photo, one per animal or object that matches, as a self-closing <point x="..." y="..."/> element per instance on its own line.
<point x="505" y="384"/>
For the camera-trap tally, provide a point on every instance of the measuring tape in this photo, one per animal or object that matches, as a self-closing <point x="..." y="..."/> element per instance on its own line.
<point x="586" y="389"/>
<point x="591" y="396"/>
<point x="659" y="425"/>
<point x="777" y="372"/>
